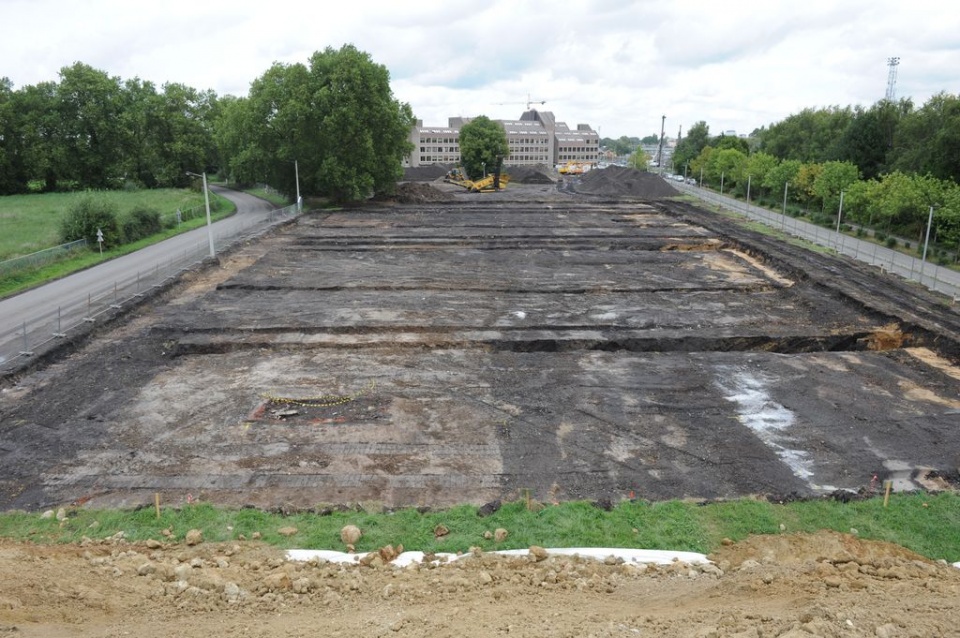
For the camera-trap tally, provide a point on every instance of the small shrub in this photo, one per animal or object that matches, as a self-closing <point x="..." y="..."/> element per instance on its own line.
<point x="860" y="231"/>
<point x="846" y="228"/>
<point x="891" y="242"/>
<point x="142" y="222"/>
<point x="89" y="213"/>
<point x="906" y="245"/>
<point x="880" y="235"/>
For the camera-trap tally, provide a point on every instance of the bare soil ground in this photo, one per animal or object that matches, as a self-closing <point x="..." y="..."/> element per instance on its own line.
<point x="826" y="585"/>
<point x="578" y="346"/>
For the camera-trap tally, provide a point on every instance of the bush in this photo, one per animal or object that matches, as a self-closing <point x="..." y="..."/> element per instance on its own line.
<point x="860" y="231"/>
<point x="906" y="245"/>
<point x="89" y="213"/>
<point x="880" y="235"/>
<point x="142" y="222"/>
<point x="891" y="242"/>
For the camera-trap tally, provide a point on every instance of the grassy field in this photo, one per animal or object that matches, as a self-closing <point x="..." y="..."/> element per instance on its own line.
<point x="29" y="223"/>
<point x="31" y="218"/>
<point x="928" y="524"/>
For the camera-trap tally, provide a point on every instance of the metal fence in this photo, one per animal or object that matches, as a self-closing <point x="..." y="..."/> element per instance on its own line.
<point x="52" y="325"/>
<point x="937" y="278"/>
<point x="40" y="257"/>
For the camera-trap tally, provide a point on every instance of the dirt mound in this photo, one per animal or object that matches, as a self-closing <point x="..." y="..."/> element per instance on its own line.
<point x="620" y="181"/>
<point x="419" y="193"/>
<point x="537" y="174"/>
<point x="425" y="173"/>
<point x="826" y="585"/>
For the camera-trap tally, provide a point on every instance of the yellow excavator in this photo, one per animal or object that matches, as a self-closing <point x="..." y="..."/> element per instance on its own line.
<point x="493" y="182"/>
<point x="573" y="168"/>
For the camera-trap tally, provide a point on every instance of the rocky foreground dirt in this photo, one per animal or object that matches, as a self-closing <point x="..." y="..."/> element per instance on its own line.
<point x="789" y="586"/>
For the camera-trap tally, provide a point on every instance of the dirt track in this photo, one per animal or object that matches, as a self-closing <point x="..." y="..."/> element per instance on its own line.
<point x="461" y="351"/>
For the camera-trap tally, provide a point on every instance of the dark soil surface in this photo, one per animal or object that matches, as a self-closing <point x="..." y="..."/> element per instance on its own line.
<point x="420" y="193"/>
<point x="466" y="350"/>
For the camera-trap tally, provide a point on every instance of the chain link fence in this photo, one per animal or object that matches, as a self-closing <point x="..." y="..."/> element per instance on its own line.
<point x="51" y="326"/>
<point x="41" y="257"/>
<point x="937" y="278"/>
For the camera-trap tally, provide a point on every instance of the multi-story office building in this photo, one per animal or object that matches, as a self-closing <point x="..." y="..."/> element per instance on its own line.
<point x="536" y="138"/>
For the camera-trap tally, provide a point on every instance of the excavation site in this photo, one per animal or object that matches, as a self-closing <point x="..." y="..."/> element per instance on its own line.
<point x="467" y="347"/>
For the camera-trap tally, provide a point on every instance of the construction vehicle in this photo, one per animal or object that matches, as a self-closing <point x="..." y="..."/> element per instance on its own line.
<point x="574" y="168"/>
<point x="490" y="183"/>
<point x="455" y="176"/>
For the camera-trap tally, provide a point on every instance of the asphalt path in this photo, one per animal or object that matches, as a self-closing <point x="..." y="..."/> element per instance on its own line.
<point x="63" y="301"/>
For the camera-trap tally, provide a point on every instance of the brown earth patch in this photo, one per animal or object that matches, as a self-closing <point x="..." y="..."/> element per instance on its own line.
<point x="791" y="586"/>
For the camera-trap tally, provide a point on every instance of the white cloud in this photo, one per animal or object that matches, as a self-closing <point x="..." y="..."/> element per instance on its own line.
<point x="615" y="64"/>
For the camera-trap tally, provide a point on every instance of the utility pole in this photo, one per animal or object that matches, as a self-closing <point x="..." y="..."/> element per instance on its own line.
<point x="663" y="121"/>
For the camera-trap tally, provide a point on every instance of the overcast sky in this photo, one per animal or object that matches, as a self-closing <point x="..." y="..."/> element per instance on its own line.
<point x="616" y="65"/>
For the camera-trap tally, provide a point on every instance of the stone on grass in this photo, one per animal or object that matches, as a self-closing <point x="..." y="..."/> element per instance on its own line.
<point x="350" y="534"/>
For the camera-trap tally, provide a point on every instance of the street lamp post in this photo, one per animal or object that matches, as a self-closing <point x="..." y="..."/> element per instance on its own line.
<point x="783" y="219"/>
<point x="926" y="242"/>
<point x="206" y="199"/>
<point x="839" y="216"/>
<point x="296" y="174"/>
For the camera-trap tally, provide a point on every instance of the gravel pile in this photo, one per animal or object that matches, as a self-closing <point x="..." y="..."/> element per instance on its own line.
<point x="623" y="181"/>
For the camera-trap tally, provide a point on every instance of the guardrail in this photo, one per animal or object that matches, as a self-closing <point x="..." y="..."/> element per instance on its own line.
<point x="52" y="325"/>
<point x="936" y="278"/>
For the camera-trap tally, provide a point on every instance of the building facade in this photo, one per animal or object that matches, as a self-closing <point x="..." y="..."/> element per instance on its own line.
<point x="536" y="138"/>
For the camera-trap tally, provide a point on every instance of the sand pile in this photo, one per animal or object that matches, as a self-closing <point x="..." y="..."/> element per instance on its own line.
<point x="623" y="181"/>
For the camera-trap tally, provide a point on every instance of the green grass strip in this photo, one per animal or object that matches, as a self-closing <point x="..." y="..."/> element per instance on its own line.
<point x="928" y="524"/>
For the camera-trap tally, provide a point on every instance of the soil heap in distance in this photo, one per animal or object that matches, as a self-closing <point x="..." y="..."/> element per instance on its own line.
<point x="623" y="181"/>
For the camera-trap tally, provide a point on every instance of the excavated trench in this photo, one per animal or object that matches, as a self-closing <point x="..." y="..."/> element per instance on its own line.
<point x="449" y="353"/>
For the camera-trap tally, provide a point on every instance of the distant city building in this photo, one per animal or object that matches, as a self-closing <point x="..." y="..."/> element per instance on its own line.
<point x="536" y="138"/>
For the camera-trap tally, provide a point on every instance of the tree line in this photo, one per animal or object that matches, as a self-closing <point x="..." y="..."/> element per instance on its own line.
<point x="891" y="162"/>
<point x="334" y="121"/>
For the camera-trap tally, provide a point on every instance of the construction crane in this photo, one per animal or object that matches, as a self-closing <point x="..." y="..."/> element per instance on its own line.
<point x="528" y="102"/>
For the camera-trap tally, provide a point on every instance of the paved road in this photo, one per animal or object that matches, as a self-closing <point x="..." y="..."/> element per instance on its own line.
<point x="63" y="302"/>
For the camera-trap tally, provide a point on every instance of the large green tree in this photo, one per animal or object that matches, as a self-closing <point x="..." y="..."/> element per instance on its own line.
<point x="812" y="135"/>
<point x="759" y="165"/>
<point x="868" y="138"/>
<point x="336" y="118"/>
<point x="483" y="143"/>
<point x="90" y="104"/>
<point x="691" y="146"/>
<point x="928" y="140"/>
<point x="40" y="127"/>
<point x="11" y="160"/>
<point x="833" y="179"/>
